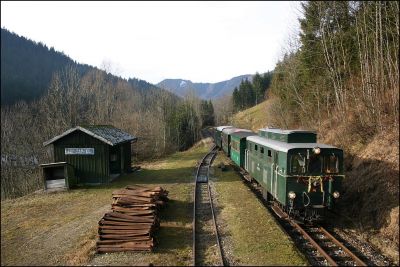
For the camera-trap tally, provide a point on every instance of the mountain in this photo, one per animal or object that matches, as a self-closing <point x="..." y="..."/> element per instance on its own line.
<point x="203" y="90"/>
<point x="27" y="68"/>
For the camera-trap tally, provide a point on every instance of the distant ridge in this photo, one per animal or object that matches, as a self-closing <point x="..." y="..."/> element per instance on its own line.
<point x="204" y="90"/>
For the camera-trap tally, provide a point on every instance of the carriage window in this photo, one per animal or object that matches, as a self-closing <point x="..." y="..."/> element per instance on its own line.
<point x="262" y="150"/>
<point x="269" y="153"/>
<point x="235" y="145"/>
<point x="255" y="147"/>
<point x="298" y="163"/>
<point x="331" y="164"/>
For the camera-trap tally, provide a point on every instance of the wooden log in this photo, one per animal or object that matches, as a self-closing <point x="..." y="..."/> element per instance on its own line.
<point x="134" y="199"/>
<point x="128" y="244"/>
<point x="121" y="237"/>
<point x="117" y="241"/>
<point x="134" y="193"/>
<point x="114" y="227"/>
<point x="129" y="217"/>
<point x="119" y="231"/>
<point x="108" y="250"/>
<point x="123" y="223"/>
<point x="130" y="210"/>
<point x="131" y="239"/>
<point x="121" y="220"/>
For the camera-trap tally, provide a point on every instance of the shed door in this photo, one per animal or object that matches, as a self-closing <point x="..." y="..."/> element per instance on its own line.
<point x="115" y="160"/>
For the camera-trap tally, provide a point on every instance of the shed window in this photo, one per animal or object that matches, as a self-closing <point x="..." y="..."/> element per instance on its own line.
<point x="269" y="153"/>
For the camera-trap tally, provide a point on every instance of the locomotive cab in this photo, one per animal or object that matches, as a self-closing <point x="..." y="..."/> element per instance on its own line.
<point x="314" y="180"/>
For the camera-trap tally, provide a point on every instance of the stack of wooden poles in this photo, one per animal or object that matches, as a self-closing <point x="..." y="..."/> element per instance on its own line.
<point x="131" y="224"/>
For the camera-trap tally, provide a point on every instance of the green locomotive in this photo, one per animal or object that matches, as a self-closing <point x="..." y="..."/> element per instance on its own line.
<point x="301" y="175"/>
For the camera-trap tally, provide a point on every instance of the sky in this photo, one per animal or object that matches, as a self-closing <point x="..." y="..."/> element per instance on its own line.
<point x="197" y="41"/>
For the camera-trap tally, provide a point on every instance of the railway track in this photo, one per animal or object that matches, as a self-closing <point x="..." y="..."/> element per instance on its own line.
<point x="320" y="247"/>
<point x="206" y="242"/>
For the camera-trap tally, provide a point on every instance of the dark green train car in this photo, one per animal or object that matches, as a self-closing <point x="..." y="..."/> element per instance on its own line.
<point x="238" y="146"/>
<point x="226" y="139"/>
<point x="217" y="135"/>
<point x="303" y="176"/>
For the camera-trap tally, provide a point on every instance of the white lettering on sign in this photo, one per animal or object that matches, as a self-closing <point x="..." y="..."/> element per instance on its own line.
<point x="79" y="151"/>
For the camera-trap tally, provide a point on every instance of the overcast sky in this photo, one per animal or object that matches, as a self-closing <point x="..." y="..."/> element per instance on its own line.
<point x="197" y="41"/>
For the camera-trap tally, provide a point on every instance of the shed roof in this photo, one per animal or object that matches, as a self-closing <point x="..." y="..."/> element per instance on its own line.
<point x="105" y="133"/>
<point x="284" y="147"/>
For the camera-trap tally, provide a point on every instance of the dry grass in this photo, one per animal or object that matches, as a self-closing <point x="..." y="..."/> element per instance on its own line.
<point x="61" y="228"/>
<point x="256" y="239"/>
<point x="253" y="118"/>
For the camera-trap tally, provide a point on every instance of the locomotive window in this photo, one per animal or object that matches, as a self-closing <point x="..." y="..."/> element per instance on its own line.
<point x="314" y="164"/>
<point x="298" y="163"/>
<point x="269" y="153"/>
<point x="331" y="164"/>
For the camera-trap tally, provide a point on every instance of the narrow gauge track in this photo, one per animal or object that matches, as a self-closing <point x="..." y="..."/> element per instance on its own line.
<point x="206" y="242"/>
<point x="320" y="247"/>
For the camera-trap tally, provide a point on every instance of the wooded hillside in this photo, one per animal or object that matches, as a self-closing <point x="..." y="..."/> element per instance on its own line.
<point x="163" y="122"/>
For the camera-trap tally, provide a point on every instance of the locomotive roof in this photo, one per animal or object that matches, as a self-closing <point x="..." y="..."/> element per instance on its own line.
<point x="284" y="147"/>
<point x="220" y="128"/>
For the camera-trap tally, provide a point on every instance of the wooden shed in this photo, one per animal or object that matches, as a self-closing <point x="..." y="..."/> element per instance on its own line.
<point x="97" y="153"/>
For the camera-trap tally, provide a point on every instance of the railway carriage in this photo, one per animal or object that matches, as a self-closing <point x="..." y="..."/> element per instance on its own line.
<point x="217" y="135"/>
<point x="226" y="139"/>
<point x="227" y="136"/>
<point x="303" y="176"/>
<point x="238" y="146"/>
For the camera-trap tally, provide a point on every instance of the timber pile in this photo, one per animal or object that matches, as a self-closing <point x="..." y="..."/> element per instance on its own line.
<point x="133" y="220"/>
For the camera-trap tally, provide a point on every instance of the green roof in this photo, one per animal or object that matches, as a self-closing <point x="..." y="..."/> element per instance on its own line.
<point x="105" y="133"/>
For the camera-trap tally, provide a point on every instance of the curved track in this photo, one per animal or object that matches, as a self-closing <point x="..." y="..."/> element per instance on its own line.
<point x="206" y="243"/>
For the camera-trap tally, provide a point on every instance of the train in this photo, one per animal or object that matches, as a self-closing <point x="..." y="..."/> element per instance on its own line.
<point x="304" y="178"/>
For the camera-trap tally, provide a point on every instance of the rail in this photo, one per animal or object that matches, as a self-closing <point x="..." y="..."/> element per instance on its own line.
<point x="203" y="212"/>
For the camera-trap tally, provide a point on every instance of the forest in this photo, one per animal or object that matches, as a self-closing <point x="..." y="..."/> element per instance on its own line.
<point x="76" y="95"/>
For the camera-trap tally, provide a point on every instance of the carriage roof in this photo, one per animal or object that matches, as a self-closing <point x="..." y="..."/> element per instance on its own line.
<point x="220" y="128"/>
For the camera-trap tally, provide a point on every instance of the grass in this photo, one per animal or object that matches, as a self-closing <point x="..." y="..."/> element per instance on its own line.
<point x="61" y="228"/>
<point x="255" y="236"/>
